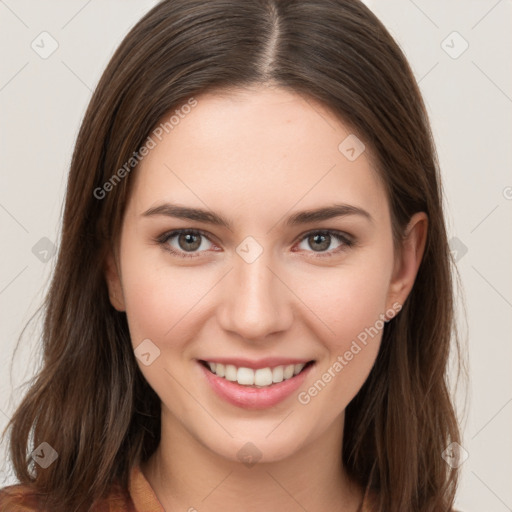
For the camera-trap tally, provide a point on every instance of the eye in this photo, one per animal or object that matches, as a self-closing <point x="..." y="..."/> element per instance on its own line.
<point x="188" y="243"/>
<point x="321" y="242"/>
<point x="184" y="242"/>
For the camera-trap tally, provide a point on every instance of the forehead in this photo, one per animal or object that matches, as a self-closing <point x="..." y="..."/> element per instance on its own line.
<point x="256" y="147"/>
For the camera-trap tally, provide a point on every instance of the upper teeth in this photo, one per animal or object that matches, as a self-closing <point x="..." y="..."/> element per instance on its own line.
<point x="261" y="377"/>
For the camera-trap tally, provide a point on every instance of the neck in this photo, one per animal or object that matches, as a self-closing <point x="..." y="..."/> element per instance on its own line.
<point x="186" y="475"/>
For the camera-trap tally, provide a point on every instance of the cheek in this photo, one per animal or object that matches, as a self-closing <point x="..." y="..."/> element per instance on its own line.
<point x="148" y="308"/>
<point x="350" y="354"/>
<point x="351" y="303"/>
<point x="162" y="305"/>
<point x="347" y="302"/>
<point x="160" y="300"/>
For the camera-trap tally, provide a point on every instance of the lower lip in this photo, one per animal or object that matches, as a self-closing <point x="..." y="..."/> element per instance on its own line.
<point x="254" y="398"/>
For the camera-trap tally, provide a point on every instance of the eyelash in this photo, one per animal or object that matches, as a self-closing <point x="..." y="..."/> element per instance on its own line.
<point x="347" y="241"/>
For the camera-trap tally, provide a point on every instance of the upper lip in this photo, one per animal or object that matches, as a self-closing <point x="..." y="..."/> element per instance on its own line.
<point x="255" y="364"/>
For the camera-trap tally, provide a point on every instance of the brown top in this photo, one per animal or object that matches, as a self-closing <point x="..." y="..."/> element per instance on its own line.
<point x="141" y="498"/>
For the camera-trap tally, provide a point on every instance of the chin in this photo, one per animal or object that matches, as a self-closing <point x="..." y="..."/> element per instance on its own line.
<point x="258" y="444"/>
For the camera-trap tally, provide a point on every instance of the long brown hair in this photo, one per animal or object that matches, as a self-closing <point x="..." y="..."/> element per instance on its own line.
<point x="89" y="400"/>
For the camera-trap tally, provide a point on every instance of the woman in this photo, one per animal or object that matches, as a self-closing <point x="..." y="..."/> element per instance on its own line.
<point x="252" y="304"/>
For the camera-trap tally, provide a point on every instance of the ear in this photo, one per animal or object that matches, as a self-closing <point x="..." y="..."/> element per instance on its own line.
<point x="409" y="258"/>
<point x="113" y="277"/>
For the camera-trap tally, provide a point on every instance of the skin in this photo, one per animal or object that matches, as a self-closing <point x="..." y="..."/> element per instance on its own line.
<point x="256" y="156"/>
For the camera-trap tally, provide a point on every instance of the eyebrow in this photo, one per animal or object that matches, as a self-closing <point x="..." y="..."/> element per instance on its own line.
<point x="299" y="218"/>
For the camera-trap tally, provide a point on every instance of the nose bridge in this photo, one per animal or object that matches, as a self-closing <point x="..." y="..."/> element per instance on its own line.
<point x="256" y="303"/>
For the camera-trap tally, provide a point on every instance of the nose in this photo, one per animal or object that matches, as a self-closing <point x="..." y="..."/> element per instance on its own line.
<point x="256" y="301"/>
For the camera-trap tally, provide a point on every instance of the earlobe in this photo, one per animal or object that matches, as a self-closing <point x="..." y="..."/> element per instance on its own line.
<point x="113" y="279"/>
<point x="408" y="261"/>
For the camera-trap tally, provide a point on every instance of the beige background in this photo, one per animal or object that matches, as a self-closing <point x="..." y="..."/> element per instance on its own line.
<point x="469" y="97"/>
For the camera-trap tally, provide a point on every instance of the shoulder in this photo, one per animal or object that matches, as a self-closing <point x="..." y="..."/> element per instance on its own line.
<point x="20" y="498"/>
<point x="371" y="503"/>
<point x="25" y="498"/>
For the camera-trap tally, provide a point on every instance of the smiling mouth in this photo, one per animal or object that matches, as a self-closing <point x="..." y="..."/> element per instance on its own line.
<point x="260" y="378"/>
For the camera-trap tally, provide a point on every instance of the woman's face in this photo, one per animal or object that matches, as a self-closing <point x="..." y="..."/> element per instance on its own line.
<point x="269" y="289"/>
